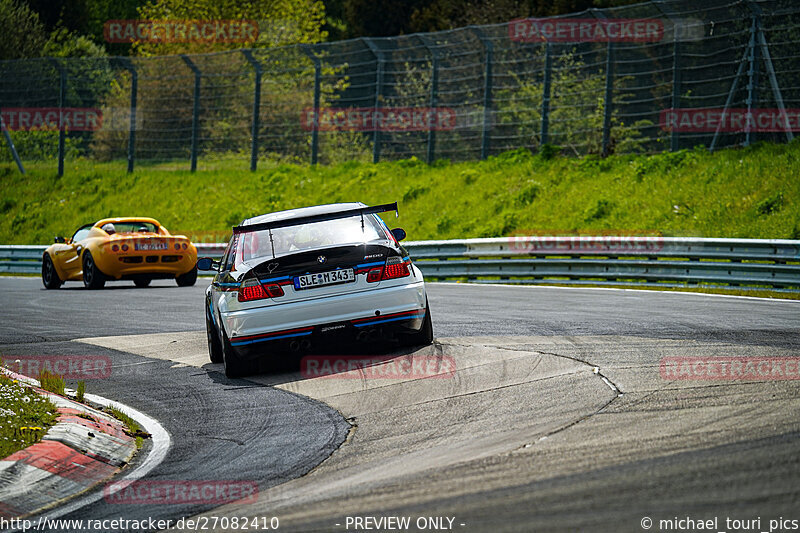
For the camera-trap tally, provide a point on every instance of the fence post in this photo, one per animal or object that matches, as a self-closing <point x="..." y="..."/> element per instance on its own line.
<point x="608" y="102"/>
<point x="11" y="145"/>
<point x="376" y="134"/>
<point x="248" y="54"/>
<point x="434" y="99"/>
<point x="195" y="109"/>
<point x="62" y="95"/>
<point x="309" y="51"/>
<point x="674" y="141"/>
<point x="127" y="64"/>
<point x="548" y="66"/>
<point x="752" y="77"/>
<point x="488" y="47"/>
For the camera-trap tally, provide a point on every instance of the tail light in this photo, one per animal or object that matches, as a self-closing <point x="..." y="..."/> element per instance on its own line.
<point x="374" y="275"/>
<point x="252" y="289"/>
<point x="115" y="248"/>
<point x="274" y="291"/>
<point x="124" y="247"/>
<point x="177" y="246"/>
<point x="395" y="268"/>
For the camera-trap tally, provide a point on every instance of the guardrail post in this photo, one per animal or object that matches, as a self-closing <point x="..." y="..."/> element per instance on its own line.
<point x="127" y="64"/>
<point x="434" y="99"/>
<point x="488" y="47"/>
<point x="309" y="51"/>
<point x="195" y="109"/>
<point x="62" y="96"/>
<point x="376" y="134"/>
<point x="248" y="54"/>
<point x="11" y="145"/>
<point x="548" y="67"/>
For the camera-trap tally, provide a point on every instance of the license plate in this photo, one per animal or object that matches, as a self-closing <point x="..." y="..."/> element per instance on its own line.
<point x="308" y="281"/>
<point x="149" y="245"/>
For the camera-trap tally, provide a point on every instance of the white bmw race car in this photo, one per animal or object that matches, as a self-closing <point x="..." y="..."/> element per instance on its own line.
<point x="310" y="278"/>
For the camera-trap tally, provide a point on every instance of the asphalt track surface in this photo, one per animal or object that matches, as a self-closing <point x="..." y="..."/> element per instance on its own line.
<point x="557" y="417"/>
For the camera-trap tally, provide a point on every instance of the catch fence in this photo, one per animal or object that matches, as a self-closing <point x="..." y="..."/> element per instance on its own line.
<point x="657" y="76"/>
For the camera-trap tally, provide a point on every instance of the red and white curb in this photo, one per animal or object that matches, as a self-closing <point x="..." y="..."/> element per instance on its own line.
<point x="84" y="448"/>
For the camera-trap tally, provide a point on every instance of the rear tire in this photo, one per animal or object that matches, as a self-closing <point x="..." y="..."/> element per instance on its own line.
<point x="235" y="367"/>
<point x="188" y="279"/>
<point x="214" y="346"/>
<point x="142" y="282"/>
<point x="424" y="336"/>
<point x="50" y="277"/>
<point x="92" y="277"/>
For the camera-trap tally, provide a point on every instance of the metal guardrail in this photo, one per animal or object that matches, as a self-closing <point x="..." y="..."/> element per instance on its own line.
<point x="573" y="260"/>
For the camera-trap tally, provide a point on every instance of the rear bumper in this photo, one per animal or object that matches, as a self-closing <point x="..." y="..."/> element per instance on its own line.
<point x="176" y="264"/>
<point x="336" y="317"/>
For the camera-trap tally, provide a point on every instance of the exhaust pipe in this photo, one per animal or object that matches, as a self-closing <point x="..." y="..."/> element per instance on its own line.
<point x="294" y="346"/>
<point x="362" y="335"/>
<point x="305" y="344"/>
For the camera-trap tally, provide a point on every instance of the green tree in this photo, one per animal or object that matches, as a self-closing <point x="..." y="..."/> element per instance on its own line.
<point x="281" y="22"/>
<point x="23" y="33"/>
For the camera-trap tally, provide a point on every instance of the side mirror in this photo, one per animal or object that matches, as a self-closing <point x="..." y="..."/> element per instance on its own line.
<point x="206" y="263"/>
<point x="59" y="240"/>
<point x="399" y="234"/>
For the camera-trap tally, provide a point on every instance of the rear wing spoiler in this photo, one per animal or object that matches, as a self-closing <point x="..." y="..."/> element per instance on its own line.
<point x="299" y="221"/>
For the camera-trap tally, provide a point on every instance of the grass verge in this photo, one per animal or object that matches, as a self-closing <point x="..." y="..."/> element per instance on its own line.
<point x="747" y="193"/>
<point x="25" y="416"/>
<point x="133" y="427"/>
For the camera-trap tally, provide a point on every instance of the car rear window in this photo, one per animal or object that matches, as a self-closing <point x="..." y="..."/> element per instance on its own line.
<point x="292" y="239"/>
<point x="135" y="227"/>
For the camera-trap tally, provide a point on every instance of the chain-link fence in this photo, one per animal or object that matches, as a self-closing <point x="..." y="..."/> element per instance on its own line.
<point x="662" y="75"/>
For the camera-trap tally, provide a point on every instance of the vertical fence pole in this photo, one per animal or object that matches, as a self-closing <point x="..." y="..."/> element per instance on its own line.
<point x="195" y="109"/>
<point x="248" y="54"/>
<point x="434" y="98"/>
<point x="773" y="80"/>
<point x="309" y="51"/>
<point x="376" y="134"/>
<point x="62" y="96"/>
<point x="608" y="102"/>
<point x="11" y="145"/>
<point x="754" y="59"/>
<point x="674" y="141"/>
<point x="127" y="64"/>
<point x="488" y="47"/>
<point x="548" y="67"/>
<point x="666" y="9"/>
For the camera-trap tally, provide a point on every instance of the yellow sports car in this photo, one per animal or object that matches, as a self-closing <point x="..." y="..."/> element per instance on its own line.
<point x="134" y="248"/>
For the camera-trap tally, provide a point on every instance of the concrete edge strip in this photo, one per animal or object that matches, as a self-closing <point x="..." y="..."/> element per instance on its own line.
<point x="57" y="457"/>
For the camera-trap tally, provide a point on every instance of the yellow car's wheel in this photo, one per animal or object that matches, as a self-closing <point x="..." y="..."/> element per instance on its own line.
<point x="50" y="277"/>
<point x="92" y="277"/>
<point x="188" y="279"/>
